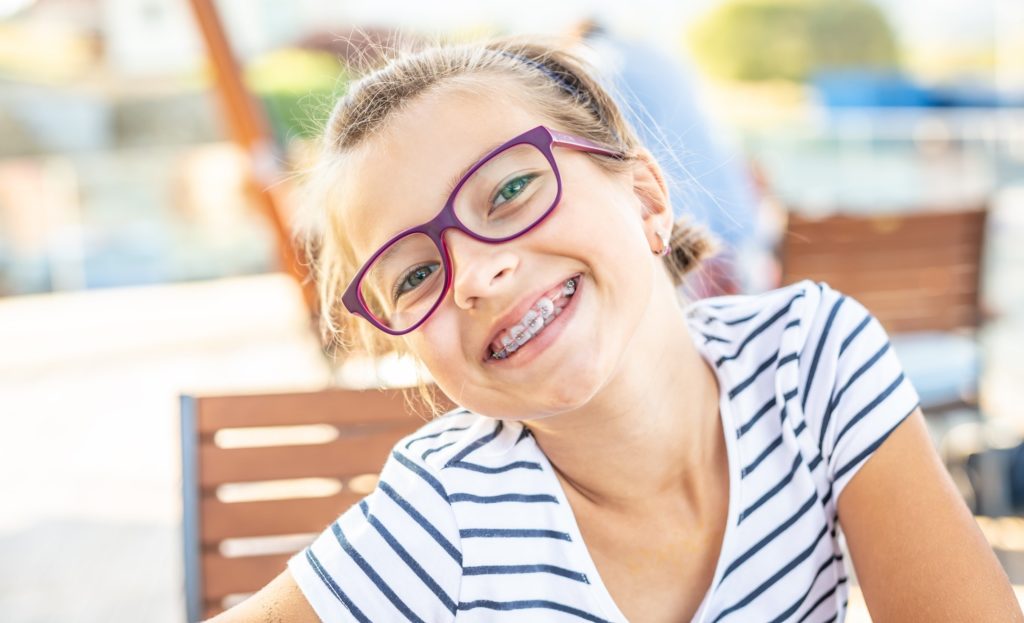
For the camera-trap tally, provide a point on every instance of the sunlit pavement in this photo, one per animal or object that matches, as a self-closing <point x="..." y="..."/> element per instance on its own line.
<point x="89" y="465"/>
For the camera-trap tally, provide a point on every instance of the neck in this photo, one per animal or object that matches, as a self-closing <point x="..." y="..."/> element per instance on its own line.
<point x="653" y="432"/>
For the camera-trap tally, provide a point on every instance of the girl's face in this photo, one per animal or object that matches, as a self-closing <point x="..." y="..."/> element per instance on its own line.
<point x="599" y="233"/>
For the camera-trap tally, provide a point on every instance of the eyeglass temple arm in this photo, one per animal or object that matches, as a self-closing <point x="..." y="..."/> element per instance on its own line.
<point x="567" y="140"/>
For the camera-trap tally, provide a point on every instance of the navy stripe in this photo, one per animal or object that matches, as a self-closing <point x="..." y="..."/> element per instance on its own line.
<point x="874" y="446"/>
<point x="529" y="604"/>
<point x="814" y="462"/>
<point x="470" y="533"/>
<point x="856" y="375"/>
<point x="723" y="305"/>
<point x="817" y="351"/>
<point x="334" y="588"/>
<point x="523" y="434"/>
<point x="742" y="558"/>
<point x="775" y="578"/>
<point x="788" y="358"/>
<point x="504" y="497"/>
<point x="757" y="416"/>
<point x="509" y="569"/>
<point x="437" y="449"/>
<point x="495" y="470"/>
<point x="771" y="492"/>
<point x="746" y="383"/>
<point x="432" y="435"/>
<point x="422" y="521"/>
<point x="374" y="577"/>
<point x="753" y="464"/>
<point x="420" y="572"/>
<point x="714" y="338"/>
<point x="486" y="439"/>
<point x="870" y="407"/>
<point x="426" y="476"/>
<point x="760" y="329"/>
<point x="800" y="429"/>
<point x="853" y="334"/>
<point x="821" y="599"/>
<point x="738" y="320"/>
<point x="825" y="499"/>
<point x="810" y="586"/>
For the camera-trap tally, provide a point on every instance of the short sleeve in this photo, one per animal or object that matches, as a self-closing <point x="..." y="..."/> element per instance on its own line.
<point x="393" y="556"/>
<point x="857" y="388"/>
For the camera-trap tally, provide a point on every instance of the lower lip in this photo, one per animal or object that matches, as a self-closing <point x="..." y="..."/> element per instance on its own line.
<point x="537" y="345"/>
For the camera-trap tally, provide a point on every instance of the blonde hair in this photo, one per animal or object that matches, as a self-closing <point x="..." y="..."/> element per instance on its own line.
<point x="559" y="85"/>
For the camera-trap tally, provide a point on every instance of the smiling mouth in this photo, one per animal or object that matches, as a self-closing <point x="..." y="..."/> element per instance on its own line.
<point x="540" y="315"/>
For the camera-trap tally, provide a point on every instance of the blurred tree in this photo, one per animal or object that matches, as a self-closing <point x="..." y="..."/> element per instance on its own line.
<point x="792" y="39"/>
<point x="298" y="88"/>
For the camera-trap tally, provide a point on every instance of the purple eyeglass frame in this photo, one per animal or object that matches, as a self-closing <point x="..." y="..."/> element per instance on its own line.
<point x="541" y="137"/>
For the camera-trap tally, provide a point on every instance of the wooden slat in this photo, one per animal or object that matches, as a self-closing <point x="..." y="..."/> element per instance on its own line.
<point x="914" y="272"/>
<point x="334" y="406"/>
<point x="346" y="456"/>
<point x="921" y="227"/>
<point x="874" y="256"/>
<point x="223" y="576"/>
<point x="222" y="520"/>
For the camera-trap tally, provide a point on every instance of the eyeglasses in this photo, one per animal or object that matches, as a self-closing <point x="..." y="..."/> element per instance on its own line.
<point x="503" y="196"/>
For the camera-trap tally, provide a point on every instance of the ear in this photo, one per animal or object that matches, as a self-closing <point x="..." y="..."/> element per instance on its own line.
<point x="652" y="194"/>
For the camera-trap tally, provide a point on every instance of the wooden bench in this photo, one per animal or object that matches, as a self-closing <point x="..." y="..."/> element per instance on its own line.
<point x="262" y="475"/>
<point x="917" y="271"/>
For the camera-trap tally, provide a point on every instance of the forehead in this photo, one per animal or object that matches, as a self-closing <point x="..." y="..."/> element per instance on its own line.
<point x="400" y="177"/>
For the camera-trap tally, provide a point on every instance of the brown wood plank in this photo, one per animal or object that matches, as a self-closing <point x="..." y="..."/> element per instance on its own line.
<point x="875" y="257"/>
<point x="221" y="520"/>
<point x="918" y="271"/>
<point x="333" y="406"/>
<point x="224" y="576"/>
<point x="915" y="228"/>
<point x="341" y="458"/>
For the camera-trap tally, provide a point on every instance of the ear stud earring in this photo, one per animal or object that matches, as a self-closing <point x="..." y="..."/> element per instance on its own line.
<point x="663" y="251"/>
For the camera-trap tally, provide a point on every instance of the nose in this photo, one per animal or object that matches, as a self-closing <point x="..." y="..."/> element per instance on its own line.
<point x="479" y="269"/>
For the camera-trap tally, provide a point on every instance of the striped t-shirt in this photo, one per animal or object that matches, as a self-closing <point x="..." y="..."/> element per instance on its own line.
<point x="469" y="522"/>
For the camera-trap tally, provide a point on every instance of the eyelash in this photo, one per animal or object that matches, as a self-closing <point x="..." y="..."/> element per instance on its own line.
<point x="529" y="177"/>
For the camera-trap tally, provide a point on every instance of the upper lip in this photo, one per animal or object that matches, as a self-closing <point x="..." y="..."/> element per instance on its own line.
<point x="519" y="310"/>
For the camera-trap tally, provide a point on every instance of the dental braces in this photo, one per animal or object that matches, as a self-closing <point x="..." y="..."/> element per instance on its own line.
<point x="547" y="311"/>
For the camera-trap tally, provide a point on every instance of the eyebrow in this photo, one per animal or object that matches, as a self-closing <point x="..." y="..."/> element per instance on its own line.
<point x="455" y="179"/>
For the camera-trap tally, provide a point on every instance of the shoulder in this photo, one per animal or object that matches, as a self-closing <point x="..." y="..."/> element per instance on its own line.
<point x="748" y="329"/>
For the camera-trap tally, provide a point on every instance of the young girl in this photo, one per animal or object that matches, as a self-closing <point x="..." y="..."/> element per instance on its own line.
<point x="618" y="456"/>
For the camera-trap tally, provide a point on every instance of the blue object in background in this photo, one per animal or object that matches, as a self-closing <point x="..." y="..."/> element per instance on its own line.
<point x="707" y="179"/>
<point x="867" y="88"/>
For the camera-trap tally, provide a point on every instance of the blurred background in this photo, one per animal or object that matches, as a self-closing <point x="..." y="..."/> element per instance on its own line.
<point x="150" y="152"/>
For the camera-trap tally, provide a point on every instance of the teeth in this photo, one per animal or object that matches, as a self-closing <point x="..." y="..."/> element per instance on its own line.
<point x="546" y="307"/>
<point x="537" y="324"/>
<point x="533" y="321"/>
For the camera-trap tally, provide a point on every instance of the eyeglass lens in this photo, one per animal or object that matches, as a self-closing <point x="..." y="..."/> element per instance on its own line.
<point x="506" y="196"/>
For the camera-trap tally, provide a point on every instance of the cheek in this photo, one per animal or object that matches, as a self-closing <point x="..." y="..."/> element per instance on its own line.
<point x="438" y="345"/>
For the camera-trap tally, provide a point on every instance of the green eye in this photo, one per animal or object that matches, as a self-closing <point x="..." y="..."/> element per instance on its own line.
<point x="412" y="279"/>
<point x="511" y="190"/>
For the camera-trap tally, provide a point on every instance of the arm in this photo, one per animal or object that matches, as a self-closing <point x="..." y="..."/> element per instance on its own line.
<point x="918" y="552"/>
<point x="277" y="602"/>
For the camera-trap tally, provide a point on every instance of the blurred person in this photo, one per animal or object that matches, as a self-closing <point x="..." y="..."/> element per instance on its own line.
<point x="659" y="97"/>
<point x="619" y="453"/>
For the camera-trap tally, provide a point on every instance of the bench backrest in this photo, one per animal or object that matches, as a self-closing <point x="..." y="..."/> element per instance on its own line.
<point x="915" y="272"/>
<point x="263" y="474"/>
